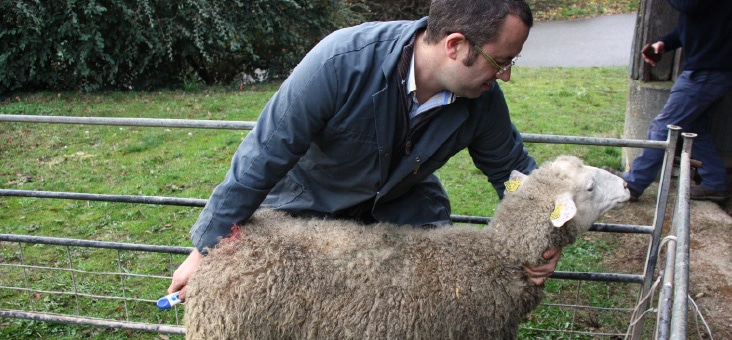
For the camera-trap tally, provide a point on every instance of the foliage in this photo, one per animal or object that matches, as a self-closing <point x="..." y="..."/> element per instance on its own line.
<point x="384" y="10"/>
<point x="92" y="45"/>
<point x="140" y="44"/>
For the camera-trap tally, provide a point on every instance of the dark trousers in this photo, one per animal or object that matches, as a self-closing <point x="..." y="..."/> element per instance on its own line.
<point x="688" y="107"/>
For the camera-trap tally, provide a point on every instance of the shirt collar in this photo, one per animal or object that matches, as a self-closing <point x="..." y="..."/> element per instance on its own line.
<point x="411" y="82"/>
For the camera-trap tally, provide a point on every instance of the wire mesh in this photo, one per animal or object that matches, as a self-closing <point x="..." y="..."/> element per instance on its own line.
<point x="68" y="278"/>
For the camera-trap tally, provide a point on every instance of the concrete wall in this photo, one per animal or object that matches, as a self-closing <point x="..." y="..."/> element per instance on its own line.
<point x="645" y="101"/>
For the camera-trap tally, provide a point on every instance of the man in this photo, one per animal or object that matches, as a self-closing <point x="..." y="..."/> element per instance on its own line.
<point x="370" y="113"/>
<point x="705" y="32"/>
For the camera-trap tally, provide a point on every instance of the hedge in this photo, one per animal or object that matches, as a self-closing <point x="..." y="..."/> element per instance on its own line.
<point x="92" y="45"/>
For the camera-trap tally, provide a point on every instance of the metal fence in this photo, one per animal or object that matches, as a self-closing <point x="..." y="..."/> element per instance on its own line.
<point x="66" y="269"/>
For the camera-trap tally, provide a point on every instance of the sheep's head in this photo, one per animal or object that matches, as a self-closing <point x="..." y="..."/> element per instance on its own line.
<point x="581" y="193"/>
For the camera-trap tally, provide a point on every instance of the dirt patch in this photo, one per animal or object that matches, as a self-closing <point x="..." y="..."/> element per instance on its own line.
<point x="710" y="277"/>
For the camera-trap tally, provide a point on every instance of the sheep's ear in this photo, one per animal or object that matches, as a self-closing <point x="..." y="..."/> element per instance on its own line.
<point x="564" y="210"/>
<point x="514" y="181"/>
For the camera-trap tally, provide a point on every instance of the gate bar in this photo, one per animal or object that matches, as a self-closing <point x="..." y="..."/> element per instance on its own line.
<point x="682" y="223"/>
<point x="76" y="320"/>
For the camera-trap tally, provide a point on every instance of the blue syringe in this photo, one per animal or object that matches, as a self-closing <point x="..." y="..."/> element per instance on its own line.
<point x="169" y="300"/>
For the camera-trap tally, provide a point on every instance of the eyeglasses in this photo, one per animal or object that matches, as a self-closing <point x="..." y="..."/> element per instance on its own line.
<point x="499" y="68"/>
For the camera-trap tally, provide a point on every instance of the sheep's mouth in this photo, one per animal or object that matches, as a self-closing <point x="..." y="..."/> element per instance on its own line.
<point x="620" y="202"/>
<point x="614" y="206"/>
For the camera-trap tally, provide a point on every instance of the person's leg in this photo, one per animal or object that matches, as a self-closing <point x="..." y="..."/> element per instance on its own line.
<point x="709" y="88"/>
<point x="712" y="172"/>
<point x="644" y="169"/>
<point x="691" y="96"/>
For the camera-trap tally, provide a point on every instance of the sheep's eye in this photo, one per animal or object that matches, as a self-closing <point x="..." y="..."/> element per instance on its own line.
<point x="591" y="187"/>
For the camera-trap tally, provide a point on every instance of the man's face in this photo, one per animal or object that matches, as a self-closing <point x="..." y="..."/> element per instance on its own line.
<point x="472" y="79"/>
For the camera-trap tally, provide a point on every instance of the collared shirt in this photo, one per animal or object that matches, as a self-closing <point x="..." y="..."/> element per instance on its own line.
<point x="439" y="99"/>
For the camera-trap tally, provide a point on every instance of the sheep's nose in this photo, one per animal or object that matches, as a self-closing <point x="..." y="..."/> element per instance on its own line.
<point x="625" y="185"/>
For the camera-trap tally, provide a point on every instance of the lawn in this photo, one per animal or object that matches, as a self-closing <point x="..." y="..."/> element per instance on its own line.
<point x="188" y="163"/>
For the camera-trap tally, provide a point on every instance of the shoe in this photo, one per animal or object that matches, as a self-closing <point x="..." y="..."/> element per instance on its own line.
<point x="699" y="193"/>
<point x="634" y="195"/>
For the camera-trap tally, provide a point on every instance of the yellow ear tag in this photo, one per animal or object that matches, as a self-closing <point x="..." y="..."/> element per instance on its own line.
<point x="512" y="186"/>
<point x="557" y="212"/>
<point x="564" y="210"/>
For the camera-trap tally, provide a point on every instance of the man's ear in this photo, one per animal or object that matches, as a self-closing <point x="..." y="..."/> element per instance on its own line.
<point x="564" y="209"/>
<point x="455" y="42"/>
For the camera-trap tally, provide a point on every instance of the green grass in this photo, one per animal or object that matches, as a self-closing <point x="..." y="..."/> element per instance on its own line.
<point x="189" y="163"/>
<point x="545" y="10"/>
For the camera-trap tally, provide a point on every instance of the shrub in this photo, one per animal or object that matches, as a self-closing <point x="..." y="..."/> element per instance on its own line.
<point x="142" y="44"/>
<point x="384" y="10"/>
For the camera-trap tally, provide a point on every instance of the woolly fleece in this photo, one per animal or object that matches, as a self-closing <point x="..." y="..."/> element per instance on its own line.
<point x="279" y="277"/>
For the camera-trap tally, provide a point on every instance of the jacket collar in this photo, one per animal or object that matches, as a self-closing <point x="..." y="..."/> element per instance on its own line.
<point x="392" y="59"/>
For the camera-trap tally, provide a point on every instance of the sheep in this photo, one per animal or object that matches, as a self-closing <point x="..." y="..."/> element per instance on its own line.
<point x="280" y="277"/>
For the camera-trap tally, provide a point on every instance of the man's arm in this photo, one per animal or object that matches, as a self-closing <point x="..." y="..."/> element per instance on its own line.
<point x="499" y="149"/>
<point x="285" y="128"/>
<point x="183" y="273"/>
<point x="540" y="273"/>
<point x="652" y="52"/>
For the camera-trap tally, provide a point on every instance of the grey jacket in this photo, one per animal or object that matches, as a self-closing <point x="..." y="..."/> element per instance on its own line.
<point x="323" y="143"/>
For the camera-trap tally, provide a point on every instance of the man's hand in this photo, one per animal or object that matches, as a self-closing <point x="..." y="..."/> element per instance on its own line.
<point x="652" y="53"/>
<point x="183" y="273"/>
<point x="540" y="273"/>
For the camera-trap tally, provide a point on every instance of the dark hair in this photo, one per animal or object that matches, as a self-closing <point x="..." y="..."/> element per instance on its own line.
<point x="480" y="20"/>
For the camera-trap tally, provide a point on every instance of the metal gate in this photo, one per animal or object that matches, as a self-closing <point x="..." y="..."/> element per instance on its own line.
<point x="65" y="260"/>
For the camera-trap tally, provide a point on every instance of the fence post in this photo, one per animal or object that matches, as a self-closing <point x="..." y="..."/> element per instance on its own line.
<point x="659" y="217"/>
<point x="681" y="225"/>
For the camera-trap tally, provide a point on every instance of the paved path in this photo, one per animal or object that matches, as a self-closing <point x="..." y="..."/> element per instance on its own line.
<point x="599" y="41"/>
